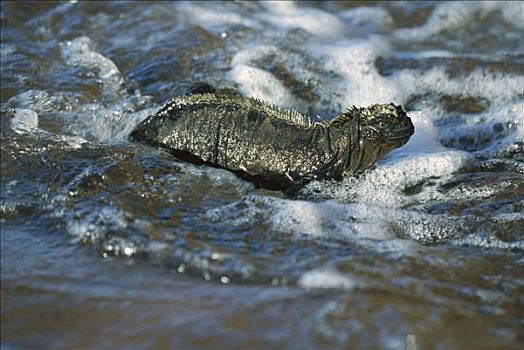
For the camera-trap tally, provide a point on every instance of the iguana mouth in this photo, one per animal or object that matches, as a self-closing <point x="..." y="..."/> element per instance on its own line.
<point x="401" y="134"/>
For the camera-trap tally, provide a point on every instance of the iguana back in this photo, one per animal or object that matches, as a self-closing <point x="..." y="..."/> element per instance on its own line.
<point x="269" y="145"/>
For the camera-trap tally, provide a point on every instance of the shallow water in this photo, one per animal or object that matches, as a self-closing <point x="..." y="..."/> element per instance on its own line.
<point x="106" y="243"/>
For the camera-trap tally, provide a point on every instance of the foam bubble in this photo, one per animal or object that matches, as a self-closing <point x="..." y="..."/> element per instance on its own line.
<point x="353" y="61"/>
<point x="79" y="52"/>
<point x="361" y="224"/>
<point x="363" y="20"/>
<point x="317" y="22"/>
<point x="496" y="129"/>
<point x="280" y="7"/>
<point x="40" y="101"/>
<point x="293" y="87"/>
<point x="108" y="226"/>
<point x="513" y="12"/>
<point x="221" y="176"/>
<point x="309" y="218"/>
<point x="71" y="141"/>
<point x="215" y="17"/>
<point x="258" y="83"/>
<point x="326" y="279"/>
<point x="8" y="208"/>
<point x="93" y="226"/>
<point x="495" y="87"/>
<point x="450" y="16"/>
<point x="248" y="55"/>
<point x="24" y="121"/>
<point x="7" y="50"/>
<point x="373" y="224"/>
<point x="112" y="124"/>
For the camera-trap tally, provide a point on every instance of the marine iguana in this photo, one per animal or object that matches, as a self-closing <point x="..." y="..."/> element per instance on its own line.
<point x="276" y="148"/>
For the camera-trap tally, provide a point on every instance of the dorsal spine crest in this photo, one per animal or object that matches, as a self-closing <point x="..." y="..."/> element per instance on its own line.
<point x="272" y="111"/>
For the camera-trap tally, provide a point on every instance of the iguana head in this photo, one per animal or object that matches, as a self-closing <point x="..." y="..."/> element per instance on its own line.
<point x="382" y="128"/>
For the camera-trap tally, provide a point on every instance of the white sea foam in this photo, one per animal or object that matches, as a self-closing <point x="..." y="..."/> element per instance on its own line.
<point x="256" y="82"/>
<point x="452" y="15"/>
<point x="315" y="219"/>
<point x="326" y="279"/>
<point x="93" y="121"/>
<point x="498" y="128"/>
<point x="7" y="50"/>
<point x="94" y="225"/>
<point x="102" y="123"/>
<point x="354" y="62"/>
<point x="496" y="87"/>
<point x="261" y="84"/>
<point x="513" y="13"/>
<point x="40" y="101"/>
<point x="356" y="80"/>
<point x="364" y="20"/>
<point x="107" y="226"/>
<point x="361" y="224"/>
<point x="24" y="121"/>
<point x="250" y="54"/>
<point x="316" y="22"/>
<point x="279" y="7"/>
<point x="495" y="131"/>
<point x="366" y="225"/>
<point x="114" y="123"/>
<point x="212" y="17"/>
<point x="80" y="52"/>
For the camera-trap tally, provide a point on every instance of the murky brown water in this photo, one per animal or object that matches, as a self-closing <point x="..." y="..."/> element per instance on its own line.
<point x="110" y="244"/>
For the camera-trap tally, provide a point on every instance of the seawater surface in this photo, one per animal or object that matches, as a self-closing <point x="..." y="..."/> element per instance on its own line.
<point x="110" y="244"/>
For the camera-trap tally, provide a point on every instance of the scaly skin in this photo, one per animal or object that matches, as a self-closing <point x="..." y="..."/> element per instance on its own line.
<point x="273" y="147"/>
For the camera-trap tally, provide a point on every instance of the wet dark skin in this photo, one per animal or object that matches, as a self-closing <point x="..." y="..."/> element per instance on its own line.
<point x="275" y="148"/>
